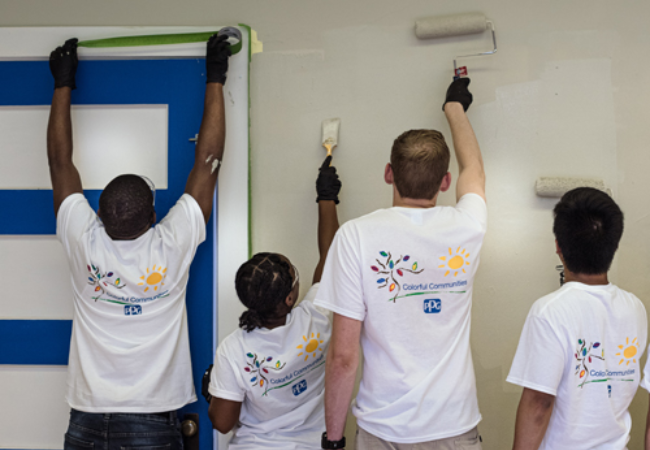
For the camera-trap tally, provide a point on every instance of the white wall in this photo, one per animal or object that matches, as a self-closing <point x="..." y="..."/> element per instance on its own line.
<point x="566" y="94"/>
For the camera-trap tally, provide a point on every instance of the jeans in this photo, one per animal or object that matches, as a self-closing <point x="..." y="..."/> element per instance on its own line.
<point x="122" y="431"/>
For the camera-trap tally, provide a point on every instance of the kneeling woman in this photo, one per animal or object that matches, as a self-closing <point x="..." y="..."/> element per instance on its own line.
<point x="268" y="378"/>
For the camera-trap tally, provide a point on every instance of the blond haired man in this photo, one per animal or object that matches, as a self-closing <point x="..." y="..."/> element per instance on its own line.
<point x="399" y="280"/>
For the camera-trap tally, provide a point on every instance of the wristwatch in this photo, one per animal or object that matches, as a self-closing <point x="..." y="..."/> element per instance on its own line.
<point x="326" y="443"/>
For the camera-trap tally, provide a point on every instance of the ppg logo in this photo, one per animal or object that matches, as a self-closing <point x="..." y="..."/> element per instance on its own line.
<point x="299" y="388"/>
<point x="432" y="305"/>
<point x="132" y="310"/>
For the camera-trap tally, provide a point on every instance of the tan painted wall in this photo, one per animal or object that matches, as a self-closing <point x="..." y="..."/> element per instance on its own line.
<point x="566" y="94"/>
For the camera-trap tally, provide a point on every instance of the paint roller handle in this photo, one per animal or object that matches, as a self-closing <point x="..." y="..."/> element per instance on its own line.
<point x="328" y="184"/>
<point x="458" y="92"/>
<point x="63" y="64"/>
<point x="216" y="59"/>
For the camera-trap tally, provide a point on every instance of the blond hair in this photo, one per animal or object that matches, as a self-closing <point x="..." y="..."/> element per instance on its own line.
<point x="420" y="160"/>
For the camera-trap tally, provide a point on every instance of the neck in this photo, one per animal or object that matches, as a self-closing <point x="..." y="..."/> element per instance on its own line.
<point x="406" y="202"/>
<point x="592" y="280"/>
<point x="275" y="323"/>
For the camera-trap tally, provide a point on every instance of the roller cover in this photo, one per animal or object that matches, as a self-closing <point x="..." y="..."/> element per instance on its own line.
<point x="556" y="187"/>
<point x="456" y="25"/>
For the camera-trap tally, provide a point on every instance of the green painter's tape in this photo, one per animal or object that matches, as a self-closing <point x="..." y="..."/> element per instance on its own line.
<point x="154" y="39"/>
<point x="250" y="187"/>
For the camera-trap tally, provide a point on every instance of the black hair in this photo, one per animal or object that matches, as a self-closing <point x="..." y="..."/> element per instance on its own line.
<point x="126" y="206"/>
<point x="588" y="226"/>
<point x="262" y="283"/>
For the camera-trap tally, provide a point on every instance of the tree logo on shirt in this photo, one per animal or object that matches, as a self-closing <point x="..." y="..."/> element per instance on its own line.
<point x="102" y="280"/>
<point x="259" y="369"/>
<point x="387" y="271"/>
<point x="455" y="262"/>
<point x="584" y="355"/>
<point x="628" y="352"/>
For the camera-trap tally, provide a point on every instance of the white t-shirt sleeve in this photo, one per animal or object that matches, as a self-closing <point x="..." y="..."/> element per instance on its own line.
<point x="310" y="297"/>
<point x="183" y="226"/>
<point x="75" y="217"/>
<point x="540" y="358"/>
<point x="341" y="289"/>
<point x="474" y="205"/>
<point x="225" y="379"/>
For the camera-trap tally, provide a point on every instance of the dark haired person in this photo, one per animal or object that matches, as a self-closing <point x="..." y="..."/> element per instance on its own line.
<point x="268" y="377"/>
<point x="400" y="281"/>
<point x="129" y="367"/>
<point x="578" y="356"/>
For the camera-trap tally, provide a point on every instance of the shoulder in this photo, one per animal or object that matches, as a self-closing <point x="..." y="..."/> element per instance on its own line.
<point x="547" y="306"/>
<point x="232" y="344"/>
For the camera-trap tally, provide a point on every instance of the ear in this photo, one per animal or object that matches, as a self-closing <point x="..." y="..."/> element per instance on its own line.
<point x="446" y="182"/>
<point x="388" y="174"/>
<point x="558" y="250"/>
<point x="154" y="218"/>
<point x="290" y="300"/>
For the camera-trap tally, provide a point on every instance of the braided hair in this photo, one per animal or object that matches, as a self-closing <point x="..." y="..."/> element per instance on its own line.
<point x="262" y="284"/>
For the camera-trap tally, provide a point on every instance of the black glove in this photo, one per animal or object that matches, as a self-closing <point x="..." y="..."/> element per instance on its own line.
<point x="328" y="184"/>
<point x="63" y="64"/>
<point x="216" y="59"/>
<point x="205" y="382"/>
<point x="457" y="92"/>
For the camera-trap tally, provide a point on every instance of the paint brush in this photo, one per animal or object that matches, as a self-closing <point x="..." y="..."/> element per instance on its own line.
<point x="331" y="134"/>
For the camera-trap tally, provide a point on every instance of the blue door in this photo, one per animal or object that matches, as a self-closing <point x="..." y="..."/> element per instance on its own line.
<point x="178" y="83"/>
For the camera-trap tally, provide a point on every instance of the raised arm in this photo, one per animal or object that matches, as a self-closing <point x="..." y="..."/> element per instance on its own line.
<point x="471" y="177"/>
<point x="212" y="134"/>
<point x="64" y="174"/>
<point x="327" y="187"/>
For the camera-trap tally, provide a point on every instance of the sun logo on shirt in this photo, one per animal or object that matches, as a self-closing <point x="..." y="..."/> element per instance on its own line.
<point x="311" y="345"/>
<point x="154" y="278"/>
<point x="455" y="263"/>
<point x="628" y="352"/>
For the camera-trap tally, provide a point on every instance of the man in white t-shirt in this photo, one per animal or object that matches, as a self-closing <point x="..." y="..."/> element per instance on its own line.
<point x="129" y="366"/>
<point x="400" y="280"/>
<point x="579" y="352"/>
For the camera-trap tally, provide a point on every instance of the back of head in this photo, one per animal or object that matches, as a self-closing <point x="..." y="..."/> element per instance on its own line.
<point x="126" y="207"/>
<point x="262" y="283"/>
<point x="588" y="227"/>
<point x="420" y="160"/>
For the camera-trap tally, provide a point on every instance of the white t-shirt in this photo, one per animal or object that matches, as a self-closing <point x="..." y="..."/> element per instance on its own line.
<point x="279" y="376"/>
<point x="583" y="344"/>
<point x="129" y="350"/>
<point x="407" y="273"/>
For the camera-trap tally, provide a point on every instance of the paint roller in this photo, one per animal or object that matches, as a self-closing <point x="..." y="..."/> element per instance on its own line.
<point x="456" y="25"/>
<point x="556" y="187"/>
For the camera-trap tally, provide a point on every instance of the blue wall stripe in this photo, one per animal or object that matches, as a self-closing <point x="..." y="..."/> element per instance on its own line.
<point x="42" y="342"/>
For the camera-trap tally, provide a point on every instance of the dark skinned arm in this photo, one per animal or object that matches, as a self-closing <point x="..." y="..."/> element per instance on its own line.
<point x="65" y="176"/>
<point x="63" y="173"/>
<point x="328" y="224"/>
<point x="533" y="415"/>
<point x="328" y="187"/>
<point x="209" y="150"/>
<point x="212" y="134"/>
<point x="224" y="414"/>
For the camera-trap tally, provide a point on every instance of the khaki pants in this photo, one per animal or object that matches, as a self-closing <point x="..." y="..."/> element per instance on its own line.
<point x="466" y="441"/>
